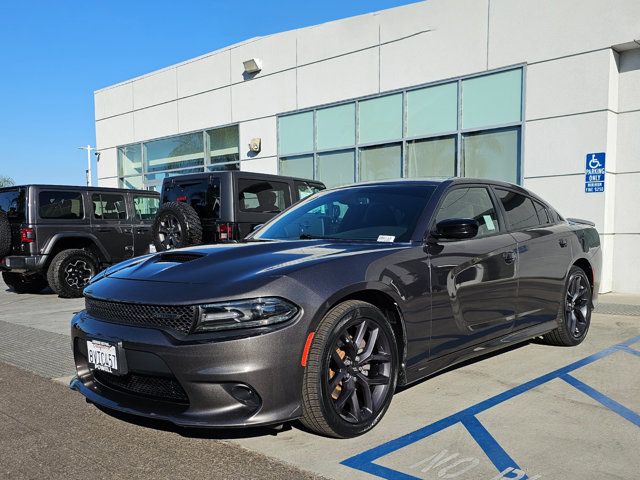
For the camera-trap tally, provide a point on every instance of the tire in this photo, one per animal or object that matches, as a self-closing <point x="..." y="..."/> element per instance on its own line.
<point x="5" y="235"/>
<point x="70" y="271"/>
<point x="176" y="225"/>
<point x="575" y="315"/>
<point x="332" y="364"/>
<point x="22" y="283"/>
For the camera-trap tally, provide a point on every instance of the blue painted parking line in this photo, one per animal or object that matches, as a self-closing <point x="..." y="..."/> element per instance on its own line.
<point x="630" y="350"/>
<point x="499" y="457"/>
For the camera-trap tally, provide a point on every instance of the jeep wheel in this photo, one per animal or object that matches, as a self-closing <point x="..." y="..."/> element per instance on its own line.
<point x="176" y="225"/>
<point x="5" y="235"/>
<point x="70" y="271"/>
<point x="24" y="283"/>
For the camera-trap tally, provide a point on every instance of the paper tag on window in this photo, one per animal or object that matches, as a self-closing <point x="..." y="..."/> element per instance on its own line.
<point x="488" y="221"/>
<point x="386" y="238"/>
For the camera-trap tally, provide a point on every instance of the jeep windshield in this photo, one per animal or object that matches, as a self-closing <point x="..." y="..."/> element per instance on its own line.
<point x="380" y="213"/>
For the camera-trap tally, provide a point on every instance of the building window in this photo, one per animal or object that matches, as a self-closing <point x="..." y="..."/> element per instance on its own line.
<point x="469" y="126"/>
<point x="145" y="165"/>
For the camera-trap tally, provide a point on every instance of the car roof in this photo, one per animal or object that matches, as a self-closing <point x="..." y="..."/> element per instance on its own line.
<point x="80" y="188"/>
<point x="244" y="174"/>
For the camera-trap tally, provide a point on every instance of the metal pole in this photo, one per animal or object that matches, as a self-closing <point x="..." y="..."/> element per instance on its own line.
<point x="88" y="148"/>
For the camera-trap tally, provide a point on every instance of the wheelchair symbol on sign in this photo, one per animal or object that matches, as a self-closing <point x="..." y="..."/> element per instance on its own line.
<point x="594" y="162"/>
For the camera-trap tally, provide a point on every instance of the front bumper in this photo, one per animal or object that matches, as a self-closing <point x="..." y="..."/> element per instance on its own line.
<point x="212" y="373"/>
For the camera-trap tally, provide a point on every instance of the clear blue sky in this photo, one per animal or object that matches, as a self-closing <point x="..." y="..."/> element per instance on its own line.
<point x="54" y="54"/>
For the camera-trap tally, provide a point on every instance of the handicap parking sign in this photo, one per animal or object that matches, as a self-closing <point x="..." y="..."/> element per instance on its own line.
<point x="594" y="173"/>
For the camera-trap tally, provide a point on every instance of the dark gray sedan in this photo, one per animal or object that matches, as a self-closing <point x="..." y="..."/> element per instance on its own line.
<point x="321" y="313"/>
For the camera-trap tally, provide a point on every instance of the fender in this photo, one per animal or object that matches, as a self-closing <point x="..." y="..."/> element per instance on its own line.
<point x="51" y="243"/>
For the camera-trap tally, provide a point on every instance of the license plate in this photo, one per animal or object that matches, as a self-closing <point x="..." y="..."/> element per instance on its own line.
<point x="102" y="356"/>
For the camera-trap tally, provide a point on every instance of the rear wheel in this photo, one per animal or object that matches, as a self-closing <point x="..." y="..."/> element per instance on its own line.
<point x="575" y="317"/>
<point x="70" y="271"/>
<point x="24" y="283"/>
<point x="176" y="225"/>
<point x="351" y="371"/>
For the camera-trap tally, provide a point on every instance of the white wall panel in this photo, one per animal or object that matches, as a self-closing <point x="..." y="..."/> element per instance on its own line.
<point x="108" y="164"/>
<point x="204" y="74"/>
<point x="155" y="88"/>
<point x="205" y="110"/>
<point x="265" y="129"/>
<point x="113" y="101"/>
<point x="262" y="97"/>
<point x="260" y="165"/>
<point x="277" y="52"/>
<point x="154" y="122"/>
<point x="114" y="131"/>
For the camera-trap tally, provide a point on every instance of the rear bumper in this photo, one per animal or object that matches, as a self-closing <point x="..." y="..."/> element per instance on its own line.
<point x="23" y="264"/>
<point x="213" y="375"/>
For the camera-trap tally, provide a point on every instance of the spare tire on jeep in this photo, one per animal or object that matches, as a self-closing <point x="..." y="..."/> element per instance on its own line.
<point x="5" y="235"/>
<point x="176" y="225"/>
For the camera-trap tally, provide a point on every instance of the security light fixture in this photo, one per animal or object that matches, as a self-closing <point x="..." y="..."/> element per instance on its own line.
<point x="253" y="65"/>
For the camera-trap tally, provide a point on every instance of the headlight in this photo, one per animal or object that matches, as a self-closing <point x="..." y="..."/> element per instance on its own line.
<point x="255" y="312"/>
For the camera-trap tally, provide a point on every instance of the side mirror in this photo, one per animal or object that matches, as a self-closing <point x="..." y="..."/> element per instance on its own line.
<point x="456" y="228"/>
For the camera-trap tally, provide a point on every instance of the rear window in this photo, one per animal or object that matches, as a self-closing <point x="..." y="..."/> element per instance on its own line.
<point x="145" y="207"/>
<point x="260" y="196"/>
<point x="543" y="213"/>
<point x="109" y="206"/>
<point x="12" y="203"/>
<point x="202" y="195"/>
<point x="520" y="211"/>
<point x="61" y="205"/>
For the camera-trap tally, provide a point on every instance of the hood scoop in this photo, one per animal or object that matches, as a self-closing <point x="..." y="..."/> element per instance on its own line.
<point x="178" y="257"/>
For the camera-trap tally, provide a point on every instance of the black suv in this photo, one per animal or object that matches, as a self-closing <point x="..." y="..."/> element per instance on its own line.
<point x="222" y="206"/>
<point x="62" y="236"/>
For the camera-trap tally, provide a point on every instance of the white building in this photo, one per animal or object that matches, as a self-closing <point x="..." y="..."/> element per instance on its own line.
<point x="521" y="90"/>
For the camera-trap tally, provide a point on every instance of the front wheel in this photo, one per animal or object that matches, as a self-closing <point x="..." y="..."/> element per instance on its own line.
<point x="575" y="317"/>
<point x="351" y="371"/>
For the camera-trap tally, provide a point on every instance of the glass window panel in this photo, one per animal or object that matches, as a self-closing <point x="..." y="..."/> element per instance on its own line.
<point x="130" y="160"/>
<point x="380" y="119"/>
<point x="432" y="110"/>
<point x="108" y="206"/>
<point x="336" y="126"/>
<point x="223" y="143"/>
<point x="494" y="155"/>
<point x="474" y="203"/>
<point x="301" y="166"/>
<point x="132" y="182"/>
<point x="146" y="207"/>
<point x="520" y="211"/>
<point x="295" y="133"/>
<point x="379" y="163"/>
<point x="176" y="152"/>
<point x="223" y="166"/>
<point x="336" y="168"/>
<point x="435" y="157"/>
<point x="492" y="99"/>
<point x="61" y="205"/>
<point x="261" y="196"/>
<point x="161" y="175"/>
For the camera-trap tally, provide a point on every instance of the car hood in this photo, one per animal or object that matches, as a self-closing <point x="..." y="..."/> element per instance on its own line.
<point x="243" y="261"/>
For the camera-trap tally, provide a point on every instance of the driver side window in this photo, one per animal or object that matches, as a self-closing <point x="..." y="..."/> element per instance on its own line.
<point x="474" y="203"/>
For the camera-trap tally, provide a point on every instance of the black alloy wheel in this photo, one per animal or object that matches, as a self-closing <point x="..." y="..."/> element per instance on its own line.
<point x="71" y="271"/>
<point x="170" y="231"/>
<point x="351" y="372"/>
<point x="176" y="225"/>
<point x="575" y="316"/>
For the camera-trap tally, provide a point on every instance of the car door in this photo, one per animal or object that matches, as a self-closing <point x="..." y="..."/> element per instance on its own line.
<point x="111" y="224"/>
<point x="144" y="209"/>
<point x="473" y="281"/>
<point x="544" y="256"/>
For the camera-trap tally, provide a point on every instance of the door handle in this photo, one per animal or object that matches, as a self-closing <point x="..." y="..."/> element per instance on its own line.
<point x="508" y="257"/>
<point x="563" y="242"/>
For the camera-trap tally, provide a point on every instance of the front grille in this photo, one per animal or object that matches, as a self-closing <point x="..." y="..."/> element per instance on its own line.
<point x="169" y="317"/>
<point x="159" y="388"/>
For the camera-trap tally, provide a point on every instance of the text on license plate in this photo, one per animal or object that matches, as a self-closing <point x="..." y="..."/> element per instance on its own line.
<point x="102" y="356"/>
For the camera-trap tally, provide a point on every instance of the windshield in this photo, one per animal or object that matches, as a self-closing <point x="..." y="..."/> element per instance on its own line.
<point x="381" y="213"/>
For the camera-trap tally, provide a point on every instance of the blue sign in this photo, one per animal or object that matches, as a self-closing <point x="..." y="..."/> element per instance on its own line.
<point x="594" y="173"/>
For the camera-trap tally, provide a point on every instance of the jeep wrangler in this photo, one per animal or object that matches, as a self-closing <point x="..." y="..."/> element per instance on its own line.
<point x="61" y="236"/>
